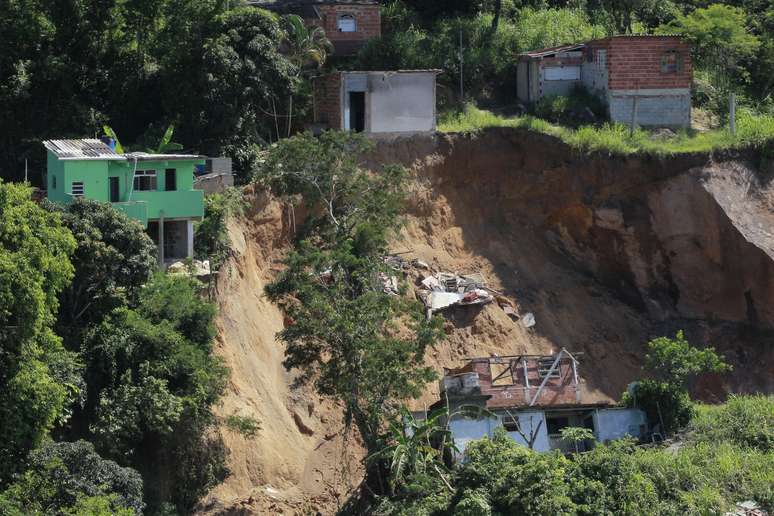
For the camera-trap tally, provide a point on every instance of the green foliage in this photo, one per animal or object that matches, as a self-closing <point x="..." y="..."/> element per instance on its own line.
<point x="166" y="145"/>
<point x="244" y="425"/>
<point x="551" y="27"/>
<point x="110" y="132"/>
<point x="661" y="401"/>
<point x="752" y="131"/>
<point x="212" y="241"/>
<point x="113" y="258"/>
<point x="71" y="478"/>
<point x="743" y="420"/>
<point x="38" y="378"/>
<point x="152" y="381"/>
<point x="676" y="362"/>
<point x="358" y="345"/>
<point x="576" y="434"/>
<point x="580" y="107"/>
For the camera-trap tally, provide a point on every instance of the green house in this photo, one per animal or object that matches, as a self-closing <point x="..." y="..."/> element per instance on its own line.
<point x="155" y="189"/>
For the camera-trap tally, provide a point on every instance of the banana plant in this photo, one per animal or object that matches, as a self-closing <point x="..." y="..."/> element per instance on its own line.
<point x="110" y="132"/>
<point x="166" y="145"/>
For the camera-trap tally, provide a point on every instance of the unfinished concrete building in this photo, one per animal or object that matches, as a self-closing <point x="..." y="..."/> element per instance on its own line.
<point x="386" y="102"/>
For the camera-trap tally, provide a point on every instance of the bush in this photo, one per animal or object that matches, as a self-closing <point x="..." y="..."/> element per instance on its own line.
<point x="212" y="241"/>
<point x="64" y="475"/>
<point x="744" y="420"/>
<point x="580" y="107"/>
<point x="661" y="401"/>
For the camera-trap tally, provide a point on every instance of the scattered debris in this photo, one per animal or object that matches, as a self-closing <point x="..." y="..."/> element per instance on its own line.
<point x="444" y="289"/>
<point x="390" y="284"/>
<point x="528" y="320"/>
<point x="748" y="508"/>
<point x="195" y="268"/>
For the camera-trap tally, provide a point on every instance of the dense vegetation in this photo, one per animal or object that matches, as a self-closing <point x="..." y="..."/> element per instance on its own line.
<point x="214" y="69"/>
<point x="108" y="378"/>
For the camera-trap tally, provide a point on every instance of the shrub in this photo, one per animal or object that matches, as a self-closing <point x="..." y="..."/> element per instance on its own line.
<point x="580" y="107"/>
<point x="661" y="401"/>
<point x="744" y="420"/>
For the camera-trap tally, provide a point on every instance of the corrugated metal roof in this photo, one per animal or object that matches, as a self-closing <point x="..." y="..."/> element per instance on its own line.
<point x="93" y="149"/>
<point x="81" y="149"/>
<point x="552" y="50"/>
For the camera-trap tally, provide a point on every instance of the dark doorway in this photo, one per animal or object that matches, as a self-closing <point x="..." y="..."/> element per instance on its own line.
<point x="113" y="184"/>
<point x="357" y="111"/>
<point x="170" y="180"/>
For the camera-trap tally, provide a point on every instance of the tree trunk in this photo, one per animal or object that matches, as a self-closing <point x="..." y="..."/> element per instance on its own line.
<point x="498" y="7"/>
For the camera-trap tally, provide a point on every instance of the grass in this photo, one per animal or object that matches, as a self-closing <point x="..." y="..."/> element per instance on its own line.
<point x="752" y="130"/>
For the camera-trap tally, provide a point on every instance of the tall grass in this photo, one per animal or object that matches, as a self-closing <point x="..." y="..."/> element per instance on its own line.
<point x="752" y="130"/>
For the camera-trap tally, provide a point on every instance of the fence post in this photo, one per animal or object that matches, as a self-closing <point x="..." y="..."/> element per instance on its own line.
<point x="732" y="113"/>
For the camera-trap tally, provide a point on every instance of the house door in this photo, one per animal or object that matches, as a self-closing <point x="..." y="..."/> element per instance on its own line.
<point x="113" y="185"/>
<point x="357" y="111"/>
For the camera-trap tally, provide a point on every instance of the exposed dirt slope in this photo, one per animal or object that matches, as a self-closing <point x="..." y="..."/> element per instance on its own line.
<point x="607" y="252"/>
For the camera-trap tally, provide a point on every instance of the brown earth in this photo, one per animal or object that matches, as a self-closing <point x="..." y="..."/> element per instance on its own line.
<point x="606" y="252"/>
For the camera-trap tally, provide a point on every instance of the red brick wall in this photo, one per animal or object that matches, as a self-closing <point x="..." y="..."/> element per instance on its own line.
<point x="367" y="19"/>
<point x="557" y="391"/>
<point x="635" y="63"/>
<point x="327" y="100"/>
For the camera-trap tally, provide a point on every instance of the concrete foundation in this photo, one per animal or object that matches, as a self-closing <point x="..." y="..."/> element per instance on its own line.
<point x="655" y="107"/>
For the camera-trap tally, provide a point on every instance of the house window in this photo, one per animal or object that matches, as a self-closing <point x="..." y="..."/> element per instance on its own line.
<point x="510" y="423"/>
<point x="601" y="58"/>
<point x="346" y="23"/>
<point x="671" y="62"/>
<point x="77" y="189"/>
<point x="145" y="180"/>
<point x="544" y="365"/>
<point x="502" y="372"/>
<point x="170" y="180"/>
<point x="555" y="424"/>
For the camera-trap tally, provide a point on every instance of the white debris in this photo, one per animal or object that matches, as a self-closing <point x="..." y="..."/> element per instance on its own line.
<point x="528" y="320"/>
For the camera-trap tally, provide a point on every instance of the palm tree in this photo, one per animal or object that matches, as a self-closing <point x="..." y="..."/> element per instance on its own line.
<point x="305" y="47"/>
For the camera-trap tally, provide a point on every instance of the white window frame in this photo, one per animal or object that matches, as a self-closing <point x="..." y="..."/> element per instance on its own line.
<point x="561" y="71"/>
<point x="601" y="58"/>
<point x="77" y="189"/>
<point x="142" y="174"/>
<point x="347" y="17"/>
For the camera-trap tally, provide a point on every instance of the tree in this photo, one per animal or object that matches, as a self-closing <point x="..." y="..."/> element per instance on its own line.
<point x="64" y="477"/>
<point x="305" y="46"/>
<point x="113" y="259"/>
<point x="576" y="434"/>
<point x="674" y="363"/>
<point x="152" y="382"/>
<point x="358" y="345"/>
<point x="38" y="378"/>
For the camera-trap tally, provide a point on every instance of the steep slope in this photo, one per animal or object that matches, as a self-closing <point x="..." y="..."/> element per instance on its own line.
<point x="606" y="252"/>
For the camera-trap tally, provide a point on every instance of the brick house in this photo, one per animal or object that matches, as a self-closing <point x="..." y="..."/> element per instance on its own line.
<point x="642" y="78"/>
<point x="533" y="397"/>
<point x="376" y="102"/>
<point x="348" y="24"/>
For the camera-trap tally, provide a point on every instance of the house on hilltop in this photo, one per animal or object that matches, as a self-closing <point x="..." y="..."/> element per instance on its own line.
<point x="386" y="102"/>
<point x="155" y="189"/>
<point x="641" y="79"/>
<point x="348" y="24"/>
<point x="533" y="397"/>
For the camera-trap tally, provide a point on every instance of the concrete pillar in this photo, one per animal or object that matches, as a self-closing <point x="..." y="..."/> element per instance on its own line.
<point x="189" y="237"/>
<point x="161" y="240"/>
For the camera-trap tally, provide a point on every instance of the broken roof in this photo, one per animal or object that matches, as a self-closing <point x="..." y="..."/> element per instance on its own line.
<point x="94" y="149"/>
<point x="543" y="52"/>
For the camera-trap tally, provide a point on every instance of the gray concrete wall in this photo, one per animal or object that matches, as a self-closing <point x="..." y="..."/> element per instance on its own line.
<point x="400" y="102"/>
<point x="522" y="84"/>
<point x="594" y="78"/>
<point x="611" y="424"/>
<point x="655" y="108"/>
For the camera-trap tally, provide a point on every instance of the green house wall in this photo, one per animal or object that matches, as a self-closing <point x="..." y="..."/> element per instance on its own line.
<point x="184" y="202"/>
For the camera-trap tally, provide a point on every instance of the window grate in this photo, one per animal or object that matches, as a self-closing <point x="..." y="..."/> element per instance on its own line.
<point x="77" y="189"/>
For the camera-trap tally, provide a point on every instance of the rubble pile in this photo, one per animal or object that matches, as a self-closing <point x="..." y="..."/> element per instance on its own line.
<point x="441" y="290"/>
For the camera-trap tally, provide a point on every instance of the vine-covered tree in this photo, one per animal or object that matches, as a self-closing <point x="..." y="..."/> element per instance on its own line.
<point x="357" y="344"/>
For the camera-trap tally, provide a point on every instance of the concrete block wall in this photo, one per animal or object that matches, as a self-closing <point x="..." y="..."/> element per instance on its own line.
<point x="655" y="108"/>
<point x="327" y="100"/>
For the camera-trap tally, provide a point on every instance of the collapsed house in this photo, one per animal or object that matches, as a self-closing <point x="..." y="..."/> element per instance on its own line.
<point x="533" y="397"/>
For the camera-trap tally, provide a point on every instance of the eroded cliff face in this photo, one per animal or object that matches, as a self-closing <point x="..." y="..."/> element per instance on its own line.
<point x="606" y="252"/>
